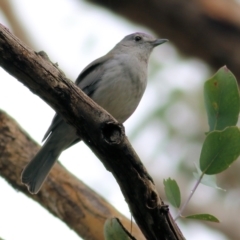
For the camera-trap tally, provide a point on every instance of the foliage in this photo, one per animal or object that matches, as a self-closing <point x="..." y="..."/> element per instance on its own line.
<point x="222" y="144"/>
<point x="114" y="230"/>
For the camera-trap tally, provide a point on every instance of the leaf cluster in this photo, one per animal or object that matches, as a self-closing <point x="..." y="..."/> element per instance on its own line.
<point x="221" y="146"/>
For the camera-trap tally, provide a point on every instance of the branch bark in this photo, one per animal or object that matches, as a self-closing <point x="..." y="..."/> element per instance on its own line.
<point x="99" y="131"/>
<point x="206" y="29"/>
<point x="65" y="196"/>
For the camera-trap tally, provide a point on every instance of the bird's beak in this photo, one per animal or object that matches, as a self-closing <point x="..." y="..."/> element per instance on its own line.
<point x="159" y="42"/>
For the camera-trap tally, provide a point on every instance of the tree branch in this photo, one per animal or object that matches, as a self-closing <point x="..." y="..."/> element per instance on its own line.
<point x="99" y="131"/>
<point x="65" y="196"/>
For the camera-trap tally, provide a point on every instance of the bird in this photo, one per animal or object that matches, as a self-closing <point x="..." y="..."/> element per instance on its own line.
<point x="115" y="81"/>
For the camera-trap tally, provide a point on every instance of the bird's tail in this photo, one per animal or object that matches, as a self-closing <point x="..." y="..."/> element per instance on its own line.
<point x="37" y="170"/>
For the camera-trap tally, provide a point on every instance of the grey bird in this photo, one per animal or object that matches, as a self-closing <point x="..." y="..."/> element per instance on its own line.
<point x="115" y="81"/>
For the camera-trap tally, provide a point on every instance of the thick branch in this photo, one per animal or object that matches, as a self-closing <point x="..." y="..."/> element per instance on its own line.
<point x="207" y="29"/>
<point x="71" y="200"/>
<point x="98" y="130"/>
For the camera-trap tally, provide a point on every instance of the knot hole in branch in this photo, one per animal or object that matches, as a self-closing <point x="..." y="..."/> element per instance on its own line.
<point x="112" y="132"/>
<point x="153" y="200"/>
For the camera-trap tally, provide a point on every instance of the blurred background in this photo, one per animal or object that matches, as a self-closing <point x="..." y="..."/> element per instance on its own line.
<point x="167" y="130"/>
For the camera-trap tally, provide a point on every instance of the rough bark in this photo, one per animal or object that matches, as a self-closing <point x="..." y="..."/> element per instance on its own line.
<point x="99" y="131"/>
<point x="62" y="194"/>
<point x="206" y="29"/>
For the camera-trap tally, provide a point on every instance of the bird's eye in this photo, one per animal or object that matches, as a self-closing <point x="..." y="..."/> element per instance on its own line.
<point x="137" y="38"/>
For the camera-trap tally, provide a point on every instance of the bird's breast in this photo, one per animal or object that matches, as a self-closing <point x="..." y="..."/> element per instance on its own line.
<point x="121" y="88"/>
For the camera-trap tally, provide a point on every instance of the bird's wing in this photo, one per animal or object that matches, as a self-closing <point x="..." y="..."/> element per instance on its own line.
<point x="56" y="120"/>
<point x="87" y="80"/>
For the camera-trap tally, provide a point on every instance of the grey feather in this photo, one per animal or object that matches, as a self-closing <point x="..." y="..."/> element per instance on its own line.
<point x="39" y="167"/>
<point x="87" y="80"/>
<point x="115" y="81"/>
<point x="57" y="119"/>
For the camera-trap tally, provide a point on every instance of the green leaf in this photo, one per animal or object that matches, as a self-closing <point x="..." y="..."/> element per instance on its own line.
<point x="204" y="217"/>
<point x="172" y="192"/>
<point x="208" y="180"/>
<point x="114" y="230"/>
<point x="221" y="96"/>
<point x="219" y="150"/>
